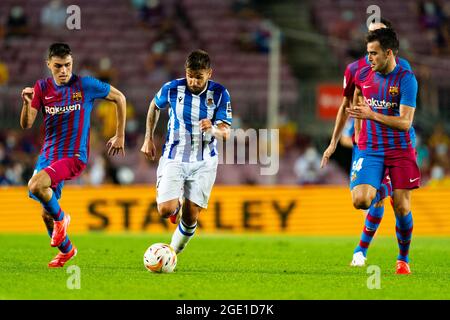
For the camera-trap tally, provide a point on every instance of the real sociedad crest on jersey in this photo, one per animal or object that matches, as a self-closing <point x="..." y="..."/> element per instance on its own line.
<point x="393" y="91"/>
<point x="76" y="96"/>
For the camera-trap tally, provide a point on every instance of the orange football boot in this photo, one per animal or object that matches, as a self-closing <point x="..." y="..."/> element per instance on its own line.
<point x="61" y="258"/>
<point x="402" y="267"/>
<point x="60" y="231"/>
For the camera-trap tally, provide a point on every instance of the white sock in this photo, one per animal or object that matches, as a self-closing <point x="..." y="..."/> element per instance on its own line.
<point x="183" y="233"/>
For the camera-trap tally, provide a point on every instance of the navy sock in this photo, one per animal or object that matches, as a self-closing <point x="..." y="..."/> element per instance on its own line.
<point x="404" y="228"/>
<point x="371" y="225"/>
<point x="53" y="208"/>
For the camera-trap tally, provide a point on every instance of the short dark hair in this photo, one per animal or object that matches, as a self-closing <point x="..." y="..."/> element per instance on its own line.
<point x="386" y="22"/>
<point x="59" y="50"/>
<point x="198" y="60"/>
<point x="386" y="37"/>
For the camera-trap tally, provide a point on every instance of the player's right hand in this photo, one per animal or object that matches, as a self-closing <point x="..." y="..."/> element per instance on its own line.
<point x="327" y="155"/>
<point x="27" y="95"/>
<point x="149" y="149"/>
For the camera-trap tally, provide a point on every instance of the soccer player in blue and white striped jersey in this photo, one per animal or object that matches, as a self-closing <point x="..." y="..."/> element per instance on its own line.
<point x="199" y="114"/>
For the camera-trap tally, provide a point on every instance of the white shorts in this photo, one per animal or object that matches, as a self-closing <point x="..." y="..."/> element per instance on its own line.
<point x="193" y="180"/>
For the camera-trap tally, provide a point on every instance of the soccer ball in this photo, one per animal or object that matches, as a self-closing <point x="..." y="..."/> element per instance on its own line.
<point x="160" y="257"/>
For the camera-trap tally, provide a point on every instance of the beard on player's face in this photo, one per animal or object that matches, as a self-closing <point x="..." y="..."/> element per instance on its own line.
<point x="378" y="62"/>
<point x="197" y="79"/>
<point x="381" y="63"/>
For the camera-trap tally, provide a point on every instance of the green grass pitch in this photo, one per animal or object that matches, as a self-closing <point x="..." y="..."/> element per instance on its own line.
<point x="223" y="267"/>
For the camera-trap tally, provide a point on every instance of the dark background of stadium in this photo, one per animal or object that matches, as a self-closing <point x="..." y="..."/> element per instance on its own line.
<point x="138" y="45"/>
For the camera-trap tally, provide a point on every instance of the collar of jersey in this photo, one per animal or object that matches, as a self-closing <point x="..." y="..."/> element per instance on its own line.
<point x="392" y="72"/>
<point x="198" y="95"/>
<point x="63" y="85"/>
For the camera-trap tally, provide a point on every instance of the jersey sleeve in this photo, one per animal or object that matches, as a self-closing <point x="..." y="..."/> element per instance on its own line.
<point x="408" y="90"/>
<point x="162" y="97"/>
<point x="95" y="89"/>
<point x="36" y="103"/>
<point x="404" y="64"/>
<point x="349" y="83"/>
<point x="224" y="112"/>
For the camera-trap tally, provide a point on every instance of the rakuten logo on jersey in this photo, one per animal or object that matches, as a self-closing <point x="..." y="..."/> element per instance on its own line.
<point x="377" y="104"/>
<point x="52" y="110"/>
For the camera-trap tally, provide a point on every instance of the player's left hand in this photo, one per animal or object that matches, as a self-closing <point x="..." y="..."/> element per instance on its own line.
<point x="327" y="155"/>
<point x="360" y="111"/>
<point x="116" y="145"/>
<point x="205" y="125"/>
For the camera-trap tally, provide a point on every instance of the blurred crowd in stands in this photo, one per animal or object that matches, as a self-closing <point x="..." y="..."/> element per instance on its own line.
<point x="430" y="17"/>
<point x="299" y="154"/>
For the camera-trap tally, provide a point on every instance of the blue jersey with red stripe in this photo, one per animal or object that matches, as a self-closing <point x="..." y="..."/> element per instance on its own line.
<point x="67" y="112"/>
<point x="349" y="80"/>
<point x="384" y="94"/>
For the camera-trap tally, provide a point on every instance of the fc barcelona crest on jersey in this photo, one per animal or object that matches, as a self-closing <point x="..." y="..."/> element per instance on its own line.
<point x="76" y="96"/>
<point x="393" y="91"/>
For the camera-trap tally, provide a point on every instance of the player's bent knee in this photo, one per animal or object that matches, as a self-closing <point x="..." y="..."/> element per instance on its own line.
<point x="166" y="209"/>
<point x="361" y="202"/>
<point x="34" y="186"/>
<point x="402" y="209"/>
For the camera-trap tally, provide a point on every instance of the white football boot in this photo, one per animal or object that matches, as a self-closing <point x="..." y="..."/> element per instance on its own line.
<point x="358" y="260"/>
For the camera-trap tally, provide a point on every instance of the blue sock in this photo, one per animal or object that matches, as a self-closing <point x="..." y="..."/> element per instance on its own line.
<point x="404" y="228"/>
<point x="66" y="245"/>
<point x="371" y="225"/>
<point x="383" y="192"/>
<point x="53" y="208"/>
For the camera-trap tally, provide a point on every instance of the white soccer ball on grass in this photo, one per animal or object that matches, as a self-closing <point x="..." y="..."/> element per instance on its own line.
<point x="160" y="258"/>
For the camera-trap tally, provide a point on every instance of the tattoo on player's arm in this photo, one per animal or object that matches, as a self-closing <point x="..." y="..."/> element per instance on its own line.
<point x="152" y="119"/>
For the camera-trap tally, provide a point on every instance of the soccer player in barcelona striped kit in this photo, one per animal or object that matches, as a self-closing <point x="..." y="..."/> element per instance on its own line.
<point x="199" y="114"/>
<point x="385" y="101"/>
<point x="66" y="101"/>
<point x="376" y="210"/>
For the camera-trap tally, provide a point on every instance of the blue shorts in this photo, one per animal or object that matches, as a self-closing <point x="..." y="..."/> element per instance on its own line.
<point x="41" y="164"/>
<point x="394" y="166"/>
<point x="367" y="168"/>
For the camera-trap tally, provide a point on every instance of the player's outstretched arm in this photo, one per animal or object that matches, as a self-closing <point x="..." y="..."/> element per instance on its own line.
<point x="221" y="130"/>
<point x="339" y="125"/>
<point x="28" y="114"/>
<point x="116" y="144"/>
<point x="148" y="148"/>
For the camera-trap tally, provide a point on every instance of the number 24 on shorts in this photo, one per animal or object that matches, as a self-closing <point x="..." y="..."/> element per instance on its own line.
<point x="357" y="165"/>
